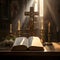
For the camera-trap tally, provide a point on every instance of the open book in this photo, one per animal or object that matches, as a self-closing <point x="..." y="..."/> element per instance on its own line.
<point x="32" y="43"/>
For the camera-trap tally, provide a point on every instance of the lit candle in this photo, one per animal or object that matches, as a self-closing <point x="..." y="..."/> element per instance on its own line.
<point x="49" y="27"/>
<point x="18" y="24"/>
<point x="10" y="28"/>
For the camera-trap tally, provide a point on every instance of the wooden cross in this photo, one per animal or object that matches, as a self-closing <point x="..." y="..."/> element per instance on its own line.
<point x="31" y="13"/>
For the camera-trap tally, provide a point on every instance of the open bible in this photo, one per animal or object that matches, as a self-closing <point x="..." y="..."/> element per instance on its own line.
<point x="27" y="44"/>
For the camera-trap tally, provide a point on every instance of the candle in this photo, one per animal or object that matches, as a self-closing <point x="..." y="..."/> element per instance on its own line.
<point x="10" y="28"/>
<point x="42" y="24"/>
<point x="48" y="27"/>
<point x="18" y="24"/>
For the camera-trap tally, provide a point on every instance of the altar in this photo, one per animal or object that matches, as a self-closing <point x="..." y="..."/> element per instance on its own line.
<point x="51" y="50"/>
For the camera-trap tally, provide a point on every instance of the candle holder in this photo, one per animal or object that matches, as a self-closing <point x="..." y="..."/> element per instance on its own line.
<point x="49" y="43"/>
<point x="10" y="34"/>
<point x="49" y="35"/>
<point x="18" y="33"/>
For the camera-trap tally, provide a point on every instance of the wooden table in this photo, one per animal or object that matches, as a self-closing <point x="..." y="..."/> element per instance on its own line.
<point x="52" y="50"/>
<point x="55" y="47"/>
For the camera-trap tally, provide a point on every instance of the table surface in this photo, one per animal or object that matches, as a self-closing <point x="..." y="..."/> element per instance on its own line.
<point x="55" y="47"/>
<point x="53" y="50"/>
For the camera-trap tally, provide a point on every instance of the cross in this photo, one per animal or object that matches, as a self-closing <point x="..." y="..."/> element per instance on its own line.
<point x="31" y="13"/>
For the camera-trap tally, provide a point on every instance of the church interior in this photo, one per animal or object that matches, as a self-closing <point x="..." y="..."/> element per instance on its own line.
<point x="25" y="18"/>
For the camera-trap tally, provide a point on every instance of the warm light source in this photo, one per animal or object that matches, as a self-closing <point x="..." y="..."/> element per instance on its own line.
<point x="18" y="25"/>
<point x="41" y="13"/>
<point x="36" y="5"/>
<point x="41" y="7"/>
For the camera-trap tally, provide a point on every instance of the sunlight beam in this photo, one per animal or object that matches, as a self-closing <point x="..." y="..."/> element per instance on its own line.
<point x="36" y="5"/>
<point x="41" y="7"/>
<point x="51" y="10"/>
<point x="41" y="13"/>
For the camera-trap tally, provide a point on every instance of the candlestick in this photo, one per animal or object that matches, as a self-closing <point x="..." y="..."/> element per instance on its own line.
<point x="49" y="27"/>
<point x="49" y="34"/>
<point x="42" y="24"/>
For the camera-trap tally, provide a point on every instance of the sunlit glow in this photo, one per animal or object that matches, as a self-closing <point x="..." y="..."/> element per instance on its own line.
<point x="29" y="4"/>
<point x="45" y="50"/>
<point x="36" y="5"/>
<point x="41" y="7"/>
<point x="27" y="8"/>
<point x="36" y="42"/>
<point x="22" y="42"/>
<point x="19" y="24"/>
<point x="41" y="13"/>
<point x="56" y="46"/>
<point x="51" y="10"/>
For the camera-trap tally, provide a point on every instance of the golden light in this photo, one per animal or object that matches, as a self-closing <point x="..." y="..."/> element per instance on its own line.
<point x="19" y="25"/>
<point x="22" y="42"/>
<point x="41" y="8"/>
<point x="36" y="5"/>
<point x="36" y="42"/>
<point x="41" y="13"/>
